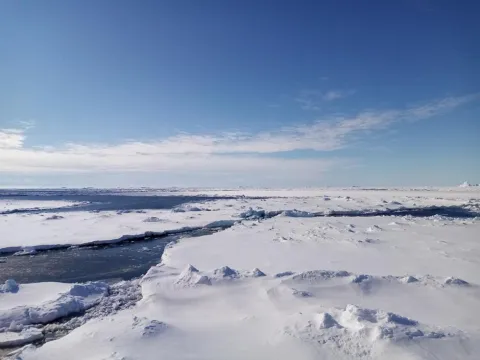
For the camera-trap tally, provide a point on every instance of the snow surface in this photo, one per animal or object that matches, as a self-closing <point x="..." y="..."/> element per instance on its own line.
<point x="47" y="307"/>
<point x="7" y="205"/>
<point x="25" y="232"/>
<point x="35" y="230"/>
<point x="290" y="286"/>
<point x="32" y="294"/>
<point x="27" y="335"/>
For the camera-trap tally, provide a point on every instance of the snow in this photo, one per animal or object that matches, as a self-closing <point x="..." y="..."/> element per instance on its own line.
<point x="10" y="205"/>
<point x="281" y="282"/>
<point x="32" y="294"/>
<point x="415" y="246"/>
<point x="27" y="335"/>
<point x="36" y="231"/>
<point x="27" y="310"/>
<point x="39" y="230"/>
<point x="263" y="317"/>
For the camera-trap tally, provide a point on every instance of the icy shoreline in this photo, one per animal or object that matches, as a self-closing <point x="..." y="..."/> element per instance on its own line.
<point x="251" y="214"/>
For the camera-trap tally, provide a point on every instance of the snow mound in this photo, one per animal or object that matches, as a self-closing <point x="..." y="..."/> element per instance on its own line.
<point x="357" y="331"/>
<point x="225" y="272"/>
<point x="190" y="276"/>
<point x="256" y="273"/>
<point x="326" y="321"/>
<point x="408" y="279"/>
<point x="362" y="278"/>
<point x="455" y="281"/>
<point x="10" y="286"/>
<point x="357" y="314"/>
<point x="79" y="298"/>
<point x="148" y="328"/>
<point x="373" y="229"/>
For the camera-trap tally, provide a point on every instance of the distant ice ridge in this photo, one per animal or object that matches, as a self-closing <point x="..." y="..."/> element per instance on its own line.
<point x="252" y="214"/>
<point x="24" y="206"/>
<point x="189" y="207"/>
<point x="466" y="184"/>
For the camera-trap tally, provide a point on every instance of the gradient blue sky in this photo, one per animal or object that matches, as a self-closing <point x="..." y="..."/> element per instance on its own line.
<point x="227" y="93"/>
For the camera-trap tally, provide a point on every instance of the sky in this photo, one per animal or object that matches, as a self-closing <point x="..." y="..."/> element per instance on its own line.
<point x="213" y="93"/>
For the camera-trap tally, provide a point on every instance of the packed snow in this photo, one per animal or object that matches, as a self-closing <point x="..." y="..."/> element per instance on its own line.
<point x="284" y="280"/>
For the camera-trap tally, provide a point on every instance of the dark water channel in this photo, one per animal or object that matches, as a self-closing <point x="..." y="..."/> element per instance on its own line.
<point x="112" y="262"/>
<point x="132" y="259"/>
<point x="108" y="202"/>
<point x="104" y="262"/>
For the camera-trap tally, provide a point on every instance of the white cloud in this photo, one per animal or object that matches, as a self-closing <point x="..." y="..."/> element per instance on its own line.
<point x="225" y="154"/>
<point x="14" y="138"/>
<point x="11" y="138"/>
<point x="313" y="99"/>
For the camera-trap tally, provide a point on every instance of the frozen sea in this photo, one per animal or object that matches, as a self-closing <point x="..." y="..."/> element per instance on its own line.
<point x="324" y="273"/>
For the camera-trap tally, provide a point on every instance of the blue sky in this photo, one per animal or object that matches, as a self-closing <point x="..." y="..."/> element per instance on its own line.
<point x="228" y="93"/>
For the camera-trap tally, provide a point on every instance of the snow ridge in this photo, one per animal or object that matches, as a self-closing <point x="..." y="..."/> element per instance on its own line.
<point x="191" y="276"/>
<point x="79" y="298"/>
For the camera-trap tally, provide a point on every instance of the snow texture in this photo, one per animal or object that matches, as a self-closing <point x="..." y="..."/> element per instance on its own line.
<point x="282" y="281"/>
<point x="78" y="298"/>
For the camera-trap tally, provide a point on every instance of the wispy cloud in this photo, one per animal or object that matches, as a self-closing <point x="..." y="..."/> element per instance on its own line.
<point x="224" y="153"/>
<point x="314" y="99"/>
<point x="429" y="109"/>
<point x="336" y="94"/>
<point x="309" y="99"/>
